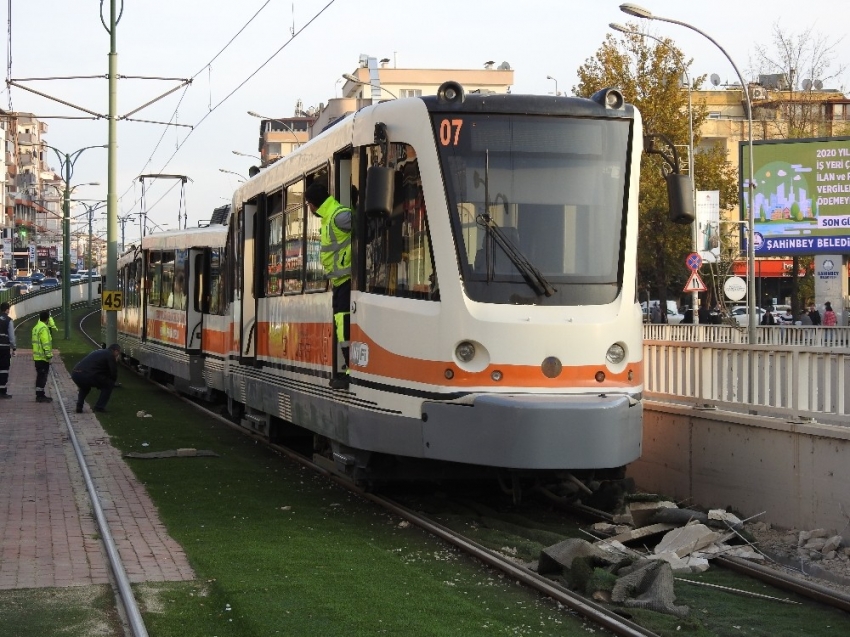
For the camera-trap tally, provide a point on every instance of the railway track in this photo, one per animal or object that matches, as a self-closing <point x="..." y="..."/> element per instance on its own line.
<point x="593" y="612"/>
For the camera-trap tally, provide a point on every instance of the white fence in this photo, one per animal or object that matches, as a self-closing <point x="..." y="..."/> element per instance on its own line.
<point x="793" y="372"/>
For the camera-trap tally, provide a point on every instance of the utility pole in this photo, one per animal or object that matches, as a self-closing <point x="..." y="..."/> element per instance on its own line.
<point x="112" y="177"/>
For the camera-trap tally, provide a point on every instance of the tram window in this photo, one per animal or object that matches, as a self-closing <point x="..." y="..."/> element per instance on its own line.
<point x="137" y="275"/>
<point x="274" y="269"/>
<point x="216" y="297"/>
<point x="154" y="277"/>
<point x="316" y="280"/>
<point x="166" y="297"/>
<point x="399" y="261"/>
<point x="181" y="261"/>
<point x="293" y="227"/>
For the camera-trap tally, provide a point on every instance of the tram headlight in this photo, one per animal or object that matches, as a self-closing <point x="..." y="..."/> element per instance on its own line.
<point x="615" y="354"/>
<point x="465" y="351"/>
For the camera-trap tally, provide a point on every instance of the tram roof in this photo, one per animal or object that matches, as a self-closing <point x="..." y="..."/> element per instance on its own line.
<point x="208" y="237"/>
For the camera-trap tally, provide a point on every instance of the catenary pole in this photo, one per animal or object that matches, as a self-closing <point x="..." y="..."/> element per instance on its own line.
<point x="112" y="178"/>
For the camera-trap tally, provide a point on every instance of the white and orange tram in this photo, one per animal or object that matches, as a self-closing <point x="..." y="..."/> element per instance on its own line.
<point x="171" y="321"/>
<point x="494" y="319"/>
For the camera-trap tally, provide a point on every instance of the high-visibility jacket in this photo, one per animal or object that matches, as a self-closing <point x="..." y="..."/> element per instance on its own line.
<point x="336" y="242"/>
<point x="42" y="342"/>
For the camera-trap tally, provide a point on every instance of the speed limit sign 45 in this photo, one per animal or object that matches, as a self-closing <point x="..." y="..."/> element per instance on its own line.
<point x="112" y="300"/>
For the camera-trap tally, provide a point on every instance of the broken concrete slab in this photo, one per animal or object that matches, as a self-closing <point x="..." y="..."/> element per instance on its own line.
<point x="173" y="453"/>
<point x="555" y="558"/>
<point x="685" y="540"/>
<point x="832" y="544"/>
<point x="724" y="516"/>
<point x="642" y="512"/>
<point x="642" y="532"/>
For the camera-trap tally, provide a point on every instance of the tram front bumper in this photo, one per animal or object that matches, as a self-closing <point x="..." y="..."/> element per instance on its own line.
<point x="523" y="431"/>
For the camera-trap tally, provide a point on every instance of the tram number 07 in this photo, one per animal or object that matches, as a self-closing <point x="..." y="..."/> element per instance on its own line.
<point x="112" y="301"/>
<point x="450" y="131"/>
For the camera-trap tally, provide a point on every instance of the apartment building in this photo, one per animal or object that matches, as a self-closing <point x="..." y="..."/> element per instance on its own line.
<point x="372" y="81"/>
<point x="31" y="218"/>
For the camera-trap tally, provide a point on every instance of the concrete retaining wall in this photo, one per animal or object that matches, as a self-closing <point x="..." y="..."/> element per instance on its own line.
<point x="797" y="473"/>
<point x="30" y="304"/>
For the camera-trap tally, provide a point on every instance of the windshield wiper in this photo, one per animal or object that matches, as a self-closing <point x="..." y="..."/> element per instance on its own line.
<point x="532" y="275"/>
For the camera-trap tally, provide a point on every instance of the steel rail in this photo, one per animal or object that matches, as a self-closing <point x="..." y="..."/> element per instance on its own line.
<point x="122" y="582"/>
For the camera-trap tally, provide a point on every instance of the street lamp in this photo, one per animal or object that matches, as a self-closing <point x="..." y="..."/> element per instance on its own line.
<point x="230" y="172"/>
<point x="286" y="127"/>
<point x="60" y="192"/>
<point x="549" y="77"/>
<point x="90" y="211"/>
<point x="691" y="159"/>
<point x="236" y="152"/>
<point x="640" y="12"/>
<point x="351" y="78"/>
<point x="67" y="161"/>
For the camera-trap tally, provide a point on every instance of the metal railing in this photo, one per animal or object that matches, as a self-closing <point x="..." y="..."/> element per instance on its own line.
<point x="799" y="372"/>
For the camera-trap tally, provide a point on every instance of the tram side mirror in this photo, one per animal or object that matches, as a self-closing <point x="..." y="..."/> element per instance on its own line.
<point x="379" y="191"/>
<point x="680" y="196"/>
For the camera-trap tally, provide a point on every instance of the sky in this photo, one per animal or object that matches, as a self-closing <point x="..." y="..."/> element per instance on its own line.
<point x="243" y="56"/>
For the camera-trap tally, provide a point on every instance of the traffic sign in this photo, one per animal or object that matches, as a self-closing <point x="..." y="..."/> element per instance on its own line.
<point x="695" y="284"/>
<point x="693" y="261"/>
<point x="112" y="301"/>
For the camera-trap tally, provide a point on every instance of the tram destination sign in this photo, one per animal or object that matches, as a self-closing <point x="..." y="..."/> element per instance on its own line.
<point x="801" y="197"/>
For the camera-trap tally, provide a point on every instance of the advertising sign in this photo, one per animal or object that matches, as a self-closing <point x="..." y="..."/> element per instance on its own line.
<point x="708" y="224"/>
<point x="801" y="196"/>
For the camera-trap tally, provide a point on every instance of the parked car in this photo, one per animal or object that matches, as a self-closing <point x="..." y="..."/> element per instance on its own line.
<point x="741" y="313"/>
<point x="37" y="277"/>
<point x="74" y="277"/>
<point x="49" y="282"/>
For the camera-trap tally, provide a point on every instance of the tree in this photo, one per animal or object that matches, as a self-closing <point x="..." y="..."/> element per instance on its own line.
<point x="649" y="75"/>
<point x="800" y="61"/>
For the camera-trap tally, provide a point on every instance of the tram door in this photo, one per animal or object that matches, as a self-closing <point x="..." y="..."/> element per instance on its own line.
<point x="248" y="323"/>
<point x="195" y="300"/>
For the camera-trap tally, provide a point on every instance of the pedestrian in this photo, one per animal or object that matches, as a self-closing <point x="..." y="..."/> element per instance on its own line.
<point x="830" y="319"/>
<point x="99" y="369"/>
<point x="655" y="313"/>
<point x="814" y="314"/>
<point x="42" y="352"/>
<point x="8" y="347"/>
<point x="804" y="319"/>
<point x="336" y="261"/>
<point x="767" y="318"/>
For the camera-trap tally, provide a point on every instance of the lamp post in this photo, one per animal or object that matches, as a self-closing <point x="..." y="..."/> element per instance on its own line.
<point x="549" y="77"/>
<point x="351" y="78"/>
<point x="230" y="172"/>
<point x="90" y="212"/>
<point x="67" y="161"/>
<point x="640" y="12"/>
<point x="691" y="158"/>
<point x="286" y="127"/>
<point x="236" y="152"/>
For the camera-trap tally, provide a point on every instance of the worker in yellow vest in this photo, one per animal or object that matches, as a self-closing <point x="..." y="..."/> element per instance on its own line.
<point x="336" y="261"/>
<point x="42" y="352"/>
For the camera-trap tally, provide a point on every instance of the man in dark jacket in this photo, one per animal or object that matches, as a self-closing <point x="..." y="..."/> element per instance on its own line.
<point x="98" y="369"/>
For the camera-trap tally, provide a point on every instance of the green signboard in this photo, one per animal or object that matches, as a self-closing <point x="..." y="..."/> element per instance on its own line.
<point x="801" y="196"/>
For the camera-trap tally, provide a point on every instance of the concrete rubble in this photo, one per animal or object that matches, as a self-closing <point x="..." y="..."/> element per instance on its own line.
<point x="648" y="542"/>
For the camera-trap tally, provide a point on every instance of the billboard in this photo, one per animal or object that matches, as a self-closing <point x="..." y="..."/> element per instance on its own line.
<point x="801" y="196"/>
<point x="708" y="225"/>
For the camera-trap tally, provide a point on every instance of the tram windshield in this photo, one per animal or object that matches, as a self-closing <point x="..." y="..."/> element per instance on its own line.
<point x="538" y="205"/>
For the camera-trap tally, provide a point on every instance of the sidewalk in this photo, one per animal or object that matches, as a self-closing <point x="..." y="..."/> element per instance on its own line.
<point x="48" y="532"/>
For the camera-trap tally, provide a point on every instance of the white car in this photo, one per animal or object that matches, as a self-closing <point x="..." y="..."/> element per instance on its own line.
<point x="740" y="314"/>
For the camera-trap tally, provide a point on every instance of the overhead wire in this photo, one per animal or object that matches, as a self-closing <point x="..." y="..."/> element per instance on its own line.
<point x="246" y="80"/>
<point x="208" y="65"/>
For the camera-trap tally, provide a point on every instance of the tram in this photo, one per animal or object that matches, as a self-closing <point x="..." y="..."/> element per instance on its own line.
<point x="494" y="312"/>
